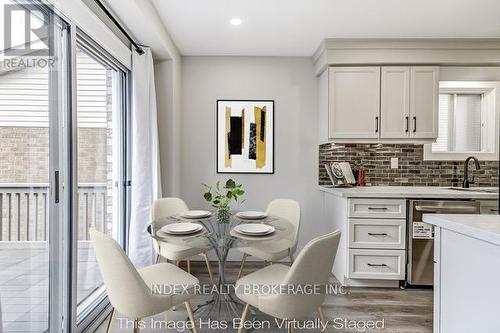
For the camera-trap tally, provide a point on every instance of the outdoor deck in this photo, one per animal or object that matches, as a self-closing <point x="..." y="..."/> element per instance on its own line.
<point x="24" y="284"/>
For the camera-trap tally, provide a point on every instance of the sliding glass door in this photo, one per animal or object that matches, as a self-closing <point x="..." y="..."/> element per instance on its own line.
<point x="34" y="98"/>
<point x="62" y="168"/>
<point x="100" y="113"/>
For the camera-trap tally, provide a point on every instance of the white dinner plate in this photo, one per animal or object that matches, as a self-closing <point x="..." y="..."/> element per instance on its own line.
<point x="251" y="215"/>
<point x="254" y="229"/>
<point x="183" y="228"/>
<point x="195" y="214"/>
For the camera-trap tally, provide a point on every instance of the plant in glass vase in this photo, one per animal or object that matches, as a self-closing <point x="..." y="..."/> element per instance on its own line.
<point x="221" y="197"/>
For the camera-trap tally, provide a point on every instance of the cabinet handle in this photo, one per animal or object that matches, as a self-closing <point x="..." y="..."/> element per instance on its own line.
<point x="414" y="124"/>
<point x="376" y="124"/>
<point x="377" y="234"/>
<point x="378" y="208"/>
<point x="407" y="124"/>
<point x="377" y="265"/>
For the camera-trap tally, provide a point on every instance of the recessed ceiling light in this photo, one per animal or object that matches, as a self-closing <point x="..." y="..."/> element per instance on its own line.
<point x="235" y="21"/>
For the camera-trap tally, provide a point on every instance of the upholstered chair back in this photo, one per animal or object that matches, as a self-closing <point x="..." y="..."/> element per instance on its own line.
<point x="127" y="291"/>
<point x="311" y="269"/>
<point x="287" y="209"/>
<point x="166" y="207"/>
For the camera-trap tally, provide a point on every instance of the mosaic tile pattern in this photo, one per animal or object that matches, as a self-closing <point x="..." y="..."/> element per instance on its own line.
<point x="412" y="170"/>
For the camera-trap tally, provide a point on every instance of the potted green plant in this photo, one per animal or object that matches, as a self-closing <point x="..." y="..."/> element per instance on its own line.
<point x="221" y="197"/>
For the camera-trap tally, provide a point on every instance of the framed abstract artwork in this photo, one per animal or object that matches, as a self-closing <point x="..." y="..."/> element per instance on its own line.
<point x="245" y="136"/>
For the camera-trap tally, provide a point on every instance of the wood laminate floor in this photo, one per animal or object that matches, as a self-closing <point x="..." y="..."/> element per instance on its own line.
<point x="399" y="311"/>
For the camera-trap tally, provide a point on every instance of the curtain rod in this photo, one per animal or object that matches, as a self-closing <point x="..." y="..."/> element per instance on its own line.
<point x="138" y="48"/>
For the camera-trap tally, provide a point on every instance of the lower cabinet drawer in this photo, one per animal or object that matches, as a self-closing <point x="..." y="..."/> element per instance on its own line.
<point x="377" y="264"/>
<point x="377" y="234"/>
<point x="377" y="208"/>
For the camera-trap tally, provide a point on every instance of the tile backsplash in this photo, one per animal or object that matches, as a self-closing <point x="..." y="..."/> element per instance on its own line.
<point x="412" y="170"/>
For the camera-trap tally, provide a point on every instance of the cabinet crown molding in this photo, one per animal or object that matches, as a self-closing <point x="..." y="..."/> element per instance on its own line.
<point x="407" y="51"/>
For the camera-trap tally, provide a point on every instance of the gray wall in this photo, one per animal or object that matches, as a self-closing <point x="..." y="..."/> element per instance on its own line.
<point x="291" y="83"/>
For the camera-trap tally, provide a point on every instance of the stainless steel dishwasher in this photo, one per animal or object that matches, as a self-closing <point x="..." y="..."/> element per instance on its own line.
<point x="420" y="270"/>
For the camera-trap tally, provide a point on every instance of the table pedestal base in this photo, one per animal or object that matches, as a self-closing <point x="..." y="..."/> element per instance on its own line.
<point x="222" y="307"/>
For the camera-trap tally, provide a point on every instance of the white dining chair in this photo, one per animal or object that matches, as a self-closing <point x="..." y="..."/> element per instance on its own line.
<point x="165" y="207"/>
<point x="130" y="291"/>
<point x="312" y="268"/>
<point x="280" y="249"/>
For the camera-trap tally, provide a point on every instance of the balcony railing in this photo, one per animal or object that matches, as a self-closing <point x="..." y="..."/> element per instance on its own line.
<point x="24" y="212"/>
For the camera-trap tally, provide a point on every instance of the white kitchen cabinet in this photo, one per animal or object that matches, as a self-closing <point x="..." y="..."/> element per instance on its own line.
<point x="395" y="102"/>
<point x="323" y="91"/>
<point x="377" y="208"/>
<point x="377" y="264"/>
<point x="379" y="104"/>
<point x="354" y="102"/>
<point x="377" y="234"/>
<point x="371" y="251"/>
<point x="424" y="102"/>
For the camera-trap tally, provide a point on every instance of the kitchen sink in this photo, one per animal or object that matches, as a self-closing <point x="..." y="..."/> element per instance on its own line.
<point x="475" y="189"/>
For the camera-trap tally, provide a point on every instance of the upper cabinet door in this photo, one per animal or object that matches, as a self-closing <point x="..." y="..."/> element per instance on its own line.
<point x="354" y="102"/>
<point x="323" y="116"/>
<point x="424" y="99"/>
<point x="395" y="103"/>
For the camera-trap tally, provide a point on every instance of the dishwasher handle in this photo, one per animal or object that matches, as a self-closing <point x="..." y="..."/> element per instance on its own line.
<point x="449" y="209"/>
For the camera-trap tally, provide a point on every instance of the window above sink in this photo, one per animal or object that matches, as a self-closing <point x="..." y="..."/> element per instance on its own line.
<point x="468" y="121"/>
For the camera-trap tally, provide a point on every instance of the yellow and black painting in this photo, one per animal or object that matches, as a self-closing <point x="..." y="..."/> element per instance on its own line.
<point x="245" y="136"/>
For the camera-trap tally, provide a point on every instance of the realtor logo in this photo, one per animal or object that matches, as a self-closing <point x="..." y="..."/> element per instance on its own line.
<point x="26" y="31"/>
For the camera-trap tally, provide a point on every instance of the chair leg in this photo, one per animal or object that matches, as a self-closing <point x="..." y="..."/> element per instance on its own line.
<point x="136" y="325"/>
<point x="188" y="262"/>
<point x="242" y="265"/>
<point x="208" y="267"/>
<point x="322" y="316"/>
<point x="243" y="317"/>
<point x="290" y="254"/>
<point x="111" y="319"/>
<point x="157" y="259"/>
<point x="190" y="315"/>
<point x="177" y="263"/>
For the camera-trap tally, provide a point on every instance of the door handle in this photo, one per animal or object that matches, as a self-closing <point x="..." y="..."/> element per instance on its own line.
<point x="414" y="124"/>
<point x="407" y="124"/>
<point x="449" y="209"/>
<point x="377" y="234"/>
<point x="56" y="187"/>
<point x="376" y="124"/>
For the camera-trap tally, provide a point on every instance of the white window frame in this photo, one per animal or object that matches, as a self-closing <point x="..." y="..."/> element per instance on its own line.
<point x="489" y="108"/>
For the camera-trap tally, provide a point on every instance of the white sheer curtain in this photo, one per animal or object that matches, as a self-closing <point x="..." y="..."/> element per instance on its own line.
<point x="146" y="184"/>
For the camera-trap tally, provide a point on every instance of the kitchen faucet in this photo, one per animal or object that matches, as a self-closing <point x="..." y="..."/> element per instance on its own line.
<point x="466" y="183"/>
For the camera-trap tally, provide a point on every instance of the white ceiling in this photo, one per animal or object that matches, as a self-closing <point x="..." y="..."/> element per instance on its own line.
<point x="296" y="27"/>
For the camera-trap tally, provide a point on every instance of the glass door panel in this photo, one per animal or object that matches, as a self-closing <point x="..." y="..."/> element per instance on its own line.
<point x="99" y="147"/>
<point x="33" y="96"/>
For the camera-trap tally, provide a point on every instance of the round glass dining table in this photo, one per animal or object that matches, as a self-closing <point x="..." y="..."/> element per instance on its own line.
<point x="221" y="237"/>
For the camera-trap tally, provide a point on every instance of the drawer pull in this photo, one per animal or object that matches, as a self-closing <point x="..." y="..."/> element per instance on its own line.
<point x="377" y="234"/>
<point x="377" y="265"/>
<point x="378" y="208"/>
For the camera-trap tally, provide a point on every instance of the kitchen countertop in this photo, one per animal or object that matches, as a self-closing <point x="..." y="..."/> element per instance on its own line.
<point x="409" y="192"/>
<point x="482" y="227"/>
